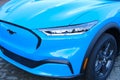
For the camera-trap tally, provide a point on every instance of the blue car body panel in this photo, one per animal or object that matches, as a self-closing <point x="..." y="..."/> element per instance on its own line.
<point x="52" y="54"/>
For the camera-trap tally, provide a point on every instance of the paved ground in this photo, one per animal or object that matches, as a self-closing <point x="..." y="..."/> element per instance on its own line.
<point x="9" y="72"/>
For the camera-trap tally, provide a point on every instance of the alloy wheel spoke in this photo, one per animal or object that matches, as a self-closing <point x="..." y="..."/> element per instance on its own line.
<point x="107" y="49"/>
<point x="98" y="65"/>
<point x="110" y="55"/>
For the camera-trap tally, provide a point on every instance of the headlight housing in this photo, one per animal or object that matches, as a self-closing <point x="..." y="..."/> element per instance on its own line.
<point x="69" y="30"/>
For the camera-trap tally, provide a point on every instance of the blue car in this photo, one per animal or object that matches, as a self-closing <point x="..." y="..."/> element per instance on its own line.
<point x="61" y="38"/>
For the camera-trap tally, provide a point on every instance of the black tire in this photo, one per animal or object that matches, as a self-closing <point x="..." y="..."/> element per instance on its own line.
<point x="102" y="58"/>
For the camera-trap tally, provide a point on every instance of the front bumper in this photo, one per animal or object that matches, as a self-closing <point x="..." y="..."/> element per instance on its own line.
<point x="33" y="64"/>
<point x="56" y="56"/>
<point x="51" y="65"/>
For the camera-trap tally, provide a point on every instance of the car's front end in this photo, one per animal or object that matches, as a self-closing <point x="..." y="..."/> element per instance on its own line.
<point x="38" y="53"/>
<point x="47" y="42"/>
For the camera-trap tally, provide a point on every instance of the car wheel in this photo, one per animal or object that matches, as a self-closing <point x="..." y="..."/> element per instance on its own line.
<point x="102" y="58"/>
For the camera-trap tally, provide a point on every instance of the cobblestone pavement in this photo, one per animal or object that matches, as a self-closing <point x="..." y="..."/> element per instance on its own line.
<point x="10" y="72"/>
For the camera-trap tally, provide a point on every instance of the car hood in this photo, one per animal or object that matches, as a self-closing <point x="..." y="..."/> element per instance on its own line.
<point x="45" y="13"/>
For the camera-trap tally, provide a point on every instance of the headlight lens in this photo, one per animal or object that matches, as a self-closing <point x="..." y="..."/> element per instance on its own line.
<point x="69" y="30"/>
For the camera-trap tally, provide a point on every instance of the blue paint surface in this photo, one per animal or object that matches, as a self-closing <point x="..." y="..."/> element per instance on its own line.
<point x="39" y="14"/>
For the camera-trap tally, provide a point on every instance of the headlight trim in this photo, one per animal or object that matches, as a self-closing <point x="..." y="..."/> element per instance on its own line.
<point x="69" y="30"/>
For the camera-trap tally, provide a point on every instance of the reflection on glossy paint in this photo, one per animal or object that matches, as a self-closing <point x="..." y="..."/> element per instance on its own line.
<point x="66" y="53"/>
<point x="43" y="73"/>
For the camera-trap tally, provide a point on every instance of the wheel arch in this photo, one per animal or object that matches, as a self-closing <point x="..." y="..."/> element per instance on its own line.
<point x="116" y="33"/>
<point x="111" y="28"/>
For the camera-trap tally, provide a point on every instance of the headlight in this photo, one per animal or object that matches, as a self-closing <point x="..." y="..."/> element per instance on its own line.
<point x="69" y="30"/>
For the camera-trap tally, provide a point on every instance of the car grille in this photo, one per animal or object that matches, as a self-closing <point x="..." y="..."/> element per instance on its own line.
<point x="19" y="59"/>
